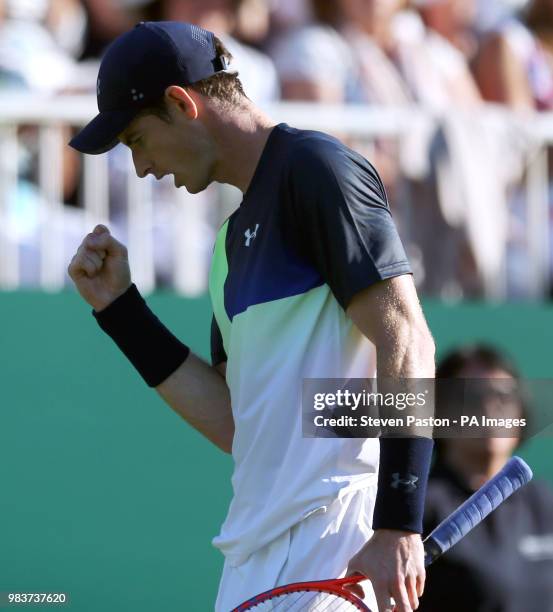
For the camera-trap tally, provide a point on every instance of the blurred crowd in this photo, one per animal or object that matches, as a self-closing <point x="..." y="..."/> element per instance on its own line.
<point x="454" y="183"/>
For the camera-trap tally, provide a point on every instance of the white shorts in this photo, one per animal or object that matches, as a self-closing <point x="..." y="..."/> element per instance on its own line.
<point x="317" y="548"/>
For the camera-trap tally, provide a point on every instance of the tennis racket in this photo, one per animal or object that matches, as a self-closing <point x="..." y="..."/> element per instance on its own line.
<point x="331" y="596"/>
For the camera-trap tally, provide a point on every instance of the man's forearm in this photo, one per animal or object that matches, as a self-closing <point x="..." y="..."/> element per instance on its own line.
<point x="190" y="386"/>
<point x="405" y="364"/>
<point x="389" y="314"/>
<point x="406" y="350"/>
<point x="199" y="393"/>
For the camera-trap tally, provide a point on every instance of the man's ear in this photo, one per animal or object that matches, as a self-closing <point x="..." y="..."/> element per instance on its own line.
<point x="179" y="96"/>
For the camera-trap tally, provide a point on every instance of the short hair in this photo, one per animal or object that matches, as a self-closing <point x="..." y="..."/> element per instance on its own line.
<point x="225" y="87"/>
<point x="326" y="12"/>
<point x="537" y="15"/>
<point x="480" y="354"/>
<point x="461" y="358"/>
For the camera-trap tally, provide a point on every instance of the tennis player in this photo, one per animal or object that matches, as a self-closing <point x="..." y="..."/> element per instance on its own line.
<point x="309" y="280"/>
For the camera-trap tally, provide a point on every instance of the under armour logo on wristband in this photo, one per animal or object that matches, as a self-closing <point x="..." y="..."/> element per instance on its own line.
<point x="251" y="235"/>
<point x="409" y="483"/>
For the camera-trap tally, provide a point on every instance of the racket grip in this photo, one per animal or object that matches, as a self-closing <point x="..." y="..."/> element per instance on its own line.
<point x="514" y="475"/>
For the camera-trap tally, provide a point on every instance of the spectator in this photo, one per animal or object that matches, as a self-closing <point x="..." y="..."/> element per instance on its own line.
<point x="252" y="19"/>
<point x="378" y="54"/>
<point x="257" y="72"/>
<point x="287" y="14"/>
<point x="349" y="43"/>
<point x="463" y="198"/>
<point x="515" y="67"/>
<point x="29" y="50"/>
<point x="506" y="563"/>
<point x="105" y="21"/>
<point x="435" y="69"/>
<point x="454" y="20"/>
<point x="515" y="64"/>
<point x="491" y="13"/>
<point x="433" y="47"/>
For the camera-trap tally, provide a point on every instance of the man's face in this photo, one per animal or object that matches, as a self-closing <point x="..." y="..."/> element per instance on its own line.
<point x="214" y="15"/>
<point x="366" y="13"/>
<point x="492" y="386"/>
<point x="178" y="146"/>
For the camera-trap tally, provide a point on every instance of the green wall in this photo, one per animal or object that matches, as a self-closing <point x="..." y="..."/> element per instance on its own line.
<point x="107" y="494"/>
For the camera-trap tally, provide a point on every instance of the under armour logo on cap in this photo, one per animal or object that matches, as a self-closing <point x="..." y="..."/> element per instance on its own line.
<point x="409" y="483"/>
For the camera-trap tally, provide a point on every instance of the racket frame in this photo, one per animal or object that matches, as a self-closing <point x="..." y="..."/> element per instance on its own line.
<point x="332" y="587"/>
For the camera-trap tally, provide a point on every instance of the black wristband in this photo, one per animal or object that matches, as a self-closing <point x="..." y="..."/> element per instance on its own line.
<point x="152" y="349"/>
<point x="402" y="479"/>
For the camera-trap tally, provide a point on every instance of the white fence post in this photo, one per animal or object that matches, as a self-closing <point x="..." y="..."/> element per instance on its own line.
<point x="140" y="230"/>
<point x="538" y="224"/>
<point x="52" y="264"/>
<point x="9" y="253"/>
<point x="96" y="190"/>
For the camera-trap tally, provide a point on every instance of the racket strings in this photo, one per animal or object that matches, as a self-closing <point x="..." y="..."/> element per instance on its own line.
<point x="306" y="601"/>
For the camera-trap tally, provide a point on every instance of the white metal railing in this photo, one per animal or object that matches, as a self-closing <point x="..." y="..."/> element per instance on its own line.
<point x="360" y="122"/>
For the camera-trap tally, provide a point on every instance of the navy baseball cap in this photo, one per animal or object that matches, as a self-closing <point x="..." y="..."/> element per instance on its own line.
<point x="137" y="68"/>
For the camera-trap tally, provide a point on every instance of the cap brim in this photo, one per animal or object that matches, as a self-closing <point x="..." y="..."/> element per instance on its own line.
<point x="101" y="134"/>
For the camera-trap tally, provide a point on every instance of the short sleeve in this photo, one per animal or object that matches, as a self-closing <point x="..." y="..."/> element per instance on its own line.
<point x="337" y="216"/>
<point x="218" y="354"/>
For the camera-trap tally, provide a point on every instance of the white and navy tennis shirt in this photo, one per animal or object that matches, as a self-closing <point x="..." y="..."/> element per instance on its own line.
<point x="314" y="228"/>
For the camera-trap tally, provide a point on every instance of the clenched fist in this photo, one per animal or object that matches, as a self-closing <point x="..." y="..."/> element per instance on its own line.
<point x="100" y="268"/>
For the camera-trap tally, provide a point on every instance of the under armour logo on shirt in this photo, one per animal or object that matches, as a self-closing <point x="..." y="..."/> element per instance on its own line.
<point x="251" y="235"/>
<point x="409" y="483"/>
